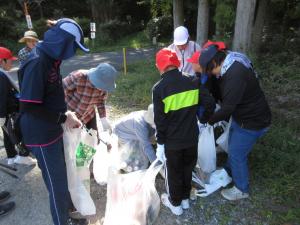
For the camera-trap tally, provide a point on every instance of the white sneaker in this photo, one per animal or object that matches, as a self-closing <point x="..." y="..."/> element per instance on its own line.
<point x="233" y="194"/>
<point x="185" y="204"/>
<point x="11" y="161"/>
<point x="27" y="160"/>
<point x="177" y="210"/>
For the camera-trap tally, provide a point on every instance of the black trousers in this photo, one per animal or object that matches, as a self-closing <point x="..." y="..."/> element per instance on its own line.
<point x="180" y="164"/>
<point x="10" y="147"/>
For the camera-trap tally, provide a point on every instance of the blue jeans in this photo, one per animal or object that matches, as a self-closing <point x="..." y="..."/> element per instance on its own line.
<point x="240" y="144"/>
<point x="51" y="161"/>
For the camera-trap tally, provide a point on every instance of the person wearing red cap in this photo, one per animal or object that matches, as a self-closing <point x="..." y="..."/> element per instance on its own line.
<point x="9" y="104"/>
<point x="175" y="100"/>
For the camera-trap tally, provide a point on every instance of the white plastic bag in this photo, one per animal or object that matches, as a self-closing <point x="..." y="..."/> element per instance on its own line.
<point x="222" y="141"/>
<point x="218" y="179"/>
<point x="132" y="198"/>
<point x="207" y="150"/>
<point x="103" y="158"/>
<point x="78" y="168"/>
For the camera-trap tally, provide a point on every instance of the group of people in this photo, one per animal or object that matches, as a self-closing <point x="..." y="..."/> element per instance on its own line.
<point x="192" y="81"/>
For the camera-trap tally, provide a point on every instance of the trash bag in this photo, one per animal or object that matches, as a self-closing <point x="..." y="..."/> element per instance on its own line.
<point x="103" y="158"/>
<point x="132" y="157"/>
<point x="79" y="148"/>
<point x="132" y="198"/>
<point x="222" y="141"/>
<point x="218" y="179"/>
<point x="207" y="150"/>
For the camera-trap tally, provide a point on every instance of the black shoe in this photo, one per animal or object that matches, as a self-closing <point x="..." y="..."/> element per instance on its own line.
<point x="6" y="208"/>
<point x="4" y="195"/>
<point x="78" y="221"/>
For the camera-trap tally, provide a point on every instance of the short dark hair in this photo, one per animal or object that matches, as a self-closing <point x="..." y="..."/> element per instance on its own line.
<point x="215" y="61"/>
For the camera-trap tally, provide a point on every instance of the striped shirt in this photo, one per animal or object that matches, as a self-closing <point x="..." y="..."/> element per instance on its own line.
<point x="81" y="96"/>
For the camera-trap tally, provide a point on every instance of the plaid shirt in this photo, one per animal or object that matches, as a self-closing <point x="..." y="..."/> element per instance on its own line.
<point x="81" y="96"/>
<point x="23" y="54"/>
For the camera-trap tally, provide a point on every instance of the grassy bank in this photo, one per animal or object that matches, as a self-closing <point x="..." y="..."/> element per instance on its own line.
<point x="274" y="162"/>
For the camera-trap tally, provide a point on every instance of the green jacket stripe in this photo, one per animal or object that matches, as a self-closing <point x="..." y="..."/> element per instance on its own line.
<point x="181" y="100"/>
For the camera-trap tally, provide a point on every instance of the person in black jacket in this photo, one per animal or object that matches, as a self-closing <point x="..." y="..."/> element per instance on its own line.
<point x="244" y="101"/>
<point x="9" y="104"/>
<point x="175" y="100"/>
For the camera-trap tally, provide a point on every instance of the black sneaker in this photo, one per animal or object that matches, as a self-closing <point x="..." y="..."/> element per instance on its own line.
<point x="78" y="222"/>
<point x="6" y="208"/>
<point x="4" y="195"/>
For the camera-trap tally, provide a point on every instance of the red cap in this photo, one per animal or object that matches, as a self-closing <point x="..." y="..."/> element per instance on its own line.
<point x="195" y="58"/>
<point x="6" y="54"/>
<point x="220" y="44"/>
<point x="165" y="58"/>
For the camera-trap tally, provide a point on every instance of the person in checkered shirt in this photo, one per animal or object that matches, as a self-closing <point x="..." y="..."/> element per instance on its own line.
<point x="30" y="39"/>
<point x="85" y="89"/>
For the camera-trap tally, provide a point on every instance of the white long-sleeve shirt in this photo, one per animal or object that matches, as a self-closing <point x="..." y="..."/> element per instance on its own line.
<point x="183" y="55"/>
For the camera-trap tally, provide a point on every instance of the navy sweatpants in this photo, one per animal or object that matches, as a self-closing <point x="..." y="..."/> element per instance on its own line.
<point x="51" y="161"/>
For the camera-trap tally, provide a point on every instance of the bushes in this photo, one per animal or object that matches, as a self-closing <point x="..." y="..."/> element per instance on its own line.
<point x="160" y="27"/>
<point x="114" y="30"/>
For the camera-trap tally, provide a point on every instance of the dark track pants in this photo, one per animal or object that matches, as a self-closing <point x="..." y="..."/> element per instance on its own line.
<point x="180" y="164"/>
<point x="51" y="161"/>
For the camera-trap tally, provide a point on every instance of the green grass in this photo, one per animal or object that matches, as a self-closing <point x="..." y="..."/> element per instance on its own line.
<point x="274" y="162"/>
<point x="135" y="41"/>
<point x="134" y="90"/>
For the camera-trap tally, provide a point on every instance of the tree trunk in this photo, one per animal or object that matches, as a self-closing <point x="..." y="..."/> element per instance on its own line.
<point x="202" y="21"/>
<point x="95" y="15"/>
<point x="178" y="16"/>
<point x="243" y="25"/>
<point x="260" y="20"/>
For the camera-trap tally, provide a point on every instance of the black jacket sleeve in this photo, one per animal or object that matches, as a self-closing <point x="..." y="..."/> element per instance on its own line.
<point x="41" y="112"/>
<point x="4" y="91"/>
<point x="232" y="93"/>
<point x="160" y="119"/>
<point x="208" y="102"/>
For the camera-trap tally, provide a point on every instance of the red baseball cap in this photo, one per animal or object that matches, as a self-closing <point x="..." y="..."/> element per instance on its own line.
<point x="220" y="44"/>
<point x="165" y="58"/>
<point x="195" y="58"/>
<point x="6" y="54"/>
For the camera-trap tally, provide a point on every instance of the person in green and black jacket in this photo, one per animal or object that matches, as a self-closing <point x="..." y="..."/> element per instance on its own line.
<point x="176" y="100"/>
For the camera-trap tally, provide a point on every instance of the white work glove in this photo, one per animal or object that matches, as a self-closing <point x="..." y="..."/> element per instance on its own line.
<point x="160" y="153"/>
<point x="72" y="121"/>
<point x="106" y="125"/>
<point x="2" y="122"/>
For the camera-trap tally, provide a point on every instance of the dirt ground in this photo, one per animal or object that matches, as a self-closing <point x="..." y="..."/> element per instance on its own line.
<point x="30" y="195"/>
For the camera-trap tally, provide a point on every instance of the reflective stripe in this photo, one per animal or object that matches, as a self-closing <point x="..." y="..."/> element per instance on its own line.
<point x="181" y="100"/>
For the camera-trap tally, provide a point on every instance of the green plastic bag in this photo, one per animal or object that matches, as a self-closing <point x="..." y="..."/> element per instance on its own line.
<point x="84" y="154"/>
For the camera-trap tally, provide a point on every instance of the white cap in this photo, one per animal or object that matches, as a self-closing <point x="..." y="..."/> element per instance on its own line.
<point x="76" y="32"/>
<point x="181" y="35"/>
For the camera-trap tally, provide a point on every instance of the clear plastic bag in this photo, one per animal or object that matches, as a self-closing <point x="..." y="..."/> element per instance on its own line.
<point x="222" y="141"/>
<point x="207" y="150"/>
<point x="131" y="157"/>
<point x="79" y="147"/>
<point x="132" y="198"/>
